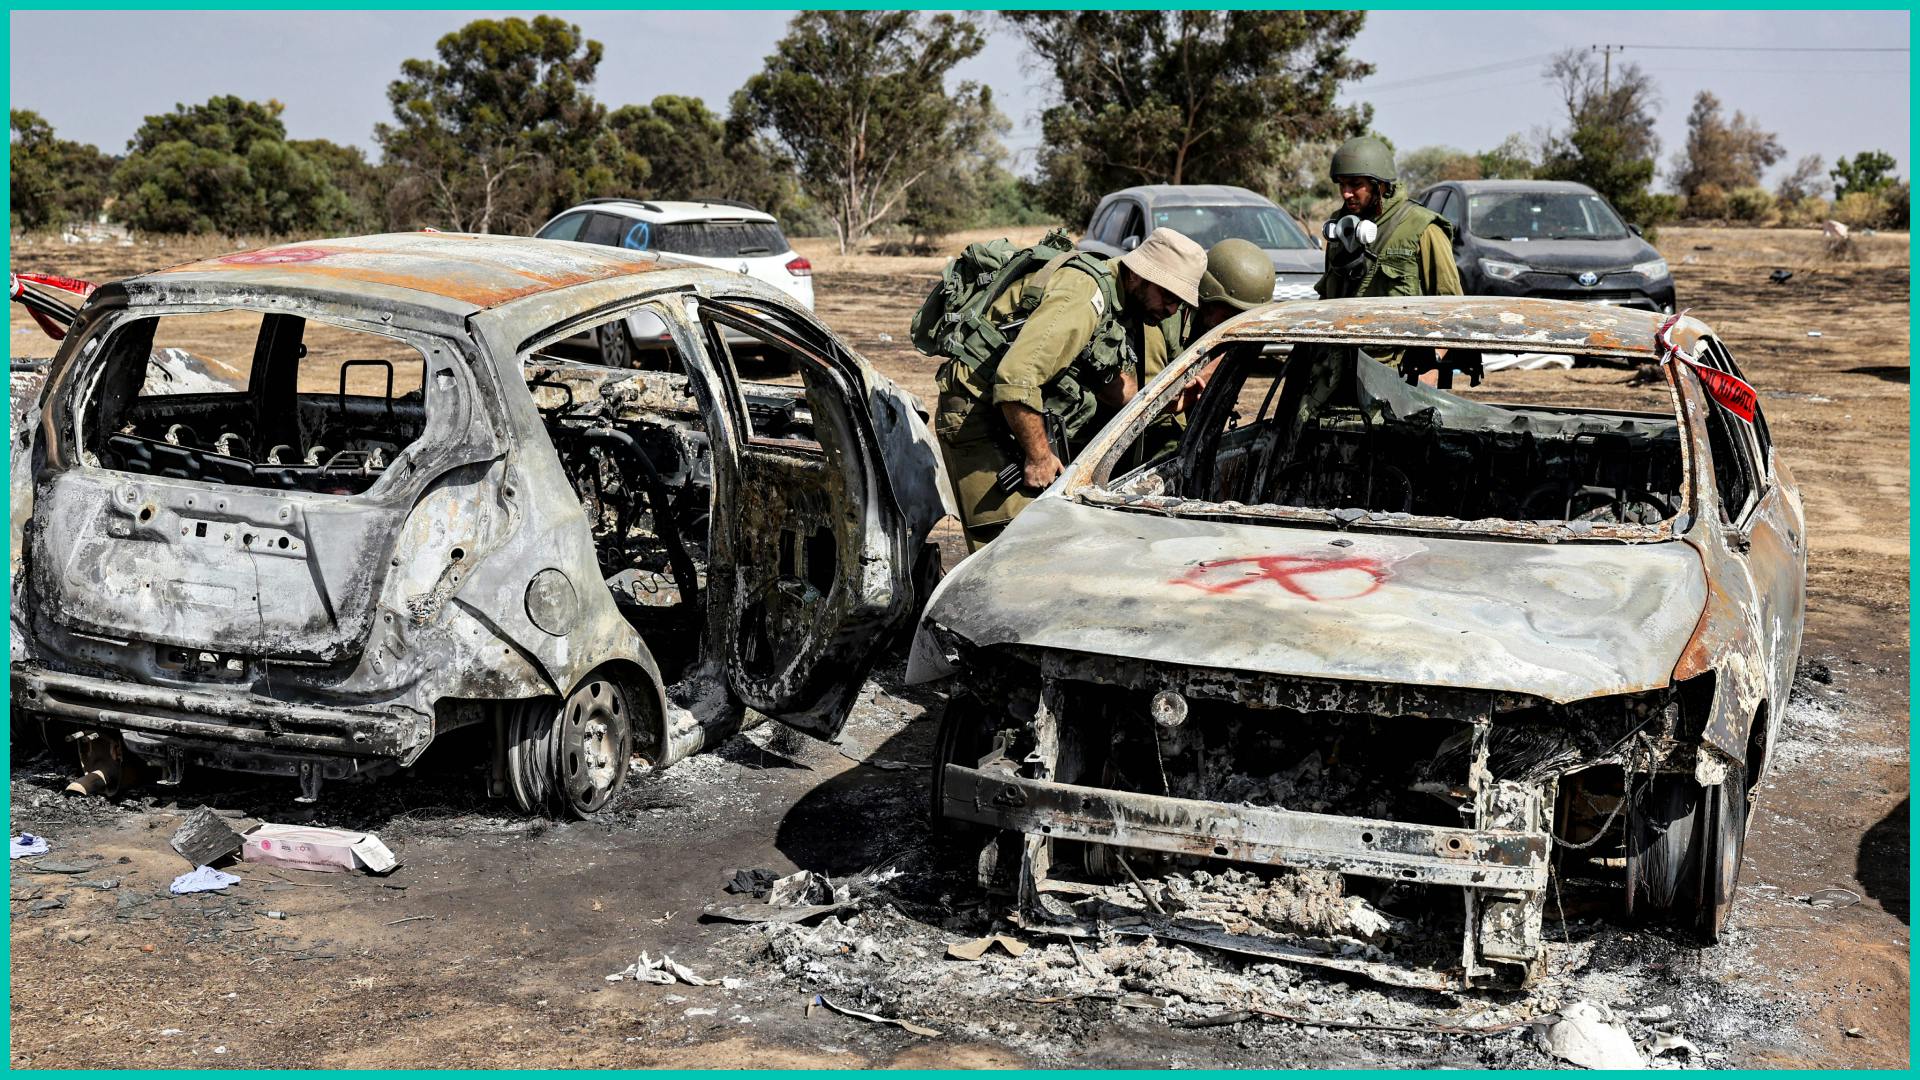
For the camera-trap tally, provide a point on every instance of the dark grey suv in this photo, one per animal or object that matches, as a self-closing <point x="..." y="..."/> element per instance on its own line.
<point x="1549" y="238"/>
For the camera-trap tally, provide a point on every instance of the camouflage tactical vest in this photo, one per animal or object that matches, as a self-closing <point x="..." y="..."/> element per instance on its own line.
<point x="1392" y="264"/>
<point x="1069" y="397"/>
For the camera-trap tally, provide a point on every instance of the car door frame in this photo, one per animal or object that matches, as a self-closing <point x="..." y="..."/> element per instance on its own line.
<point x="870" y="593"/>
<point x="1755" y="558"/>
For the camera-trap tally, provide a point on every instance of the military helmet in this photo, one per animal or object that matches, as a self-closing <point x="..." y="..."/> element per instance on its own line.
<point x="1364" y="156"/>
<point x="1238" y="274"/>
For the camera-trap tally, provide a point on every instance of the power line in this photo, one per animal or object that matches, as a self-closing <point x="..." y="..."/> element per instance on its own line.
<point x="1445" y="76"/>
<point x="1764" y="48"/>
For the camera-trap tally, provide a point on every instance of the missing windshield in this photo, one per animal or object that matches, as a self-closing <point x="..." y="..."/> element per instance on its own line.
<point x="1337" y="430"/>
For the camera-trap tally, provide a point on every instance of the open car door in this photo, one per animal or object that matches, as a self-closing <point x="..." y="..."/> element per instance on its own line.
<point x="821" y="568"/>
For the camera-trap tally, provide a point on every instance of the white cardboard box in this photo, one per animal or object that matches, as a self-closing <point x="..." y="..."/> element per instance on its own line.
<point x="303" y="847"/>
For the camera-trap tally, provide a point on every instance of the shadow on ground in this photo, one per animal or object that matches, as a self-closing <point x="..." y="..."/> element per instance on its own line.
<point x="1883" y="863"/>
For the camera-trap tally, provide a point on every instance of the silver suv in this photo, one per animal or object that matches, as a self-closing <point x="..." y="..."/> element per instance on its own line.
<point x="1209" y="213"/>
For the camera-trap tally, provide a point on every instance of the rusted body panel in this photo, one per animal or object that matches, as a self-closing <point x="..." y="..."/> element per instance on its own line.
<point x="1135" y="642"/>
<point x="1748" y="637"/>
<point x="479" y="271"/>
<point x="1497" y="323"/>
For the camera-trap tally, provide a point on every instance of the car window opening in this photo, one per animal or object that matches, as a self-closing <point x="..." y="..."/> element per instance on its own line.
<point x="1335" y="429"/>
<point x="267" y="400"/>
<point x="634" y="444"/>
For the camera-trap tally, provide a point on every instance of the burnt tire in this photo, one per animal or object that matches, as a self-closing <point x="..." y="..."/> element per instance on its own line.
<point x="1724" y="827"/>
<point x="961" y="740"/>
<point x="1684" y="846"/>
<point x="569" y="759"/>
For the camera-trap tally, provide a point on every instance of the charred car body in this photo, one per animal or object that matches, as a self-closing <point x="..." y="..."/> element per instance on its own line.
<point x="1400" y="651"/>
<point x="393" y="507"/>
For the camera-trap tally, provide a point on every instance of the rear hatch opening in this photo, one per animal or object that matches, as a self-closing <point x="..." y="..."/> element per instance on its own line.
<point x="254" y="399"/>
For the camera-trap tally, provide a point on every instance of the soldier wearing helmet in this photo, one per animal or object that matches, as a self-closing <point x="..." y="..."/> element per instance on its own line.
<point x="1239" y="278"/>
<point x="1381" y="243"/>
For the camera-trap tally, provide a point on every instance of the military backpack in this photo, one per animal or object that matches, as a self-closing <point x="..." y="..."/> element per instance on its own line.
<point x="954" y="321"/>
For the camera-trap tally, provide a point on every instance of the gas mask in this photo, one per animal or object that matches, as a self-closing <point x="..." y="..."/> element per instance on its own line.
<point x="1347" y="240"/>
<point x="1352" y="231"/>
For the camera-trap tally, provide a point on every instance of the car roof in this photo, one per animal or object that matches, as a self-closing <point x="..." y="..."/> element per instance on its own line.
<point x="667" y="212"/>
<point x="1472" y="187"/>
<point x="455" y="272"/>
<point x="1192" y="194"/>
<point x="1506" y="324"/>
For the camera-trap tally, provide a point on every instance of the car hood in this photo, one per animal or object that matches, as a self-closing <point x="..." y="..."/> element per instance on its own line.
<point x="1575" y="255"/>
<point x="1561" y="622"/>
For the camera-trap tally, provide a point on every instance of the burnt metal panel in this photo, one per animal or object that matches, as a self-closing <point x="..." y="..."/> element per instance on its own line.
<point x="1427" y="854"/>
<point x="480" y="270"/>
<point x="1558" y="622"/>
<point x="1507" y="324"/>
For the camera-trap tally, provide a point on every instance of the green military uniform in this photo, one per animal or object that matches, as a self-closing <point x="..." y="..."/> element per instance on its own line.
<point x="1411" y="256"/>
<point x="1073" y="342"/>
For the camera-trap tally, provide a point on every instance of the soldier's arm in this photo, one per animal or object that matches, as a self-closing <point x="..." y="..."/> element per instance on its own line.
<point x="1052" y="336"/>
<point x="1438" y="272"/>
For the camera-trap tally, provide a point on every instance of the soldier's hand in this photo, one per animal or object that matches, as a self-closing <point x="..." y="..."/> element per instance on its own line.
<point x="1041" y="471"/>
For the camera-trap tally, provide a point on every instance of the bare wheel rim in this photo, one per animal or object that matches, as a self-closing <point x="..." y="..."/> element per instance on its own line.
<point x="595" y="740"/>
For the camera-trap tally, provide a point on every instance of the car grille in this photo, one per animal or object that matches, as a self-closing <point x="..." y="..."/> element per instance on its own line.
<point x="1617" y="297"/>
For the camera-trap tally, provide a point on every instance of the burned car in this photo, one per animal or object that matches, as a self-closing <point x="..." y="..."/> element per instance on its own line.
<point x="1351" y="669"/>
<point x="304" y="510"/>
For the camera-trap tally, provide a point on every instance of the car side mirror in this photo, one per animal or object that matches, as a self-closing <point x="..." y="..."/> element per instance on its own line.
<point x="1129" y="243"/>
<point x="1635" y="230"/>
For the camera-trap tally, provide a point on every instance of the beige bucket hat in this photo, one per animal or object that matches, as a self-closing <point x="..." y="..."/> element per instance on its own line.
<point x="1170" y="260"/>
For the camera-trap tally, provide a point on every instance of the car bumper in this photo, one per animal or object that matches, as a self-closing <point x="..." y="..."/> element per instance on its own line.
<point x="231" y="718"/>
<point x="1633" y="293"/>
<point x="1392" y="850"/>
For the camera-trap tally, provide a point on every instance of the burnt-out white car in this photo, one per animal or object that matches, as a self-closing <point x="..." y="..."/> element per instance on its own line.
<point x="304" y="510"/>
<point x="1338" y="668"/>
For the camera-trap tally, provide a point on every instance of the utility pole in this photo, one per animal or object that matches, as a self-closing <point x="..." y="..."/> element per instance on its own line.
<point x="1606" y="65"/>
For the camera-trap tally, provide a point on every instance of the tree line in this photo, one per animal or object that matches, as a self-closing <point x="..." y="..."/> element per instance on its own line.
<point x="1608" y="143"/>
<point x="854" y="128"/>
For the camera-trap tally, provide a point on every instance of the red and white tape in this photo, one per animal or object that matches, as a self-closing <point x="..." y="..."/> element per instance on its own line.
<point x="1731" y="391"/>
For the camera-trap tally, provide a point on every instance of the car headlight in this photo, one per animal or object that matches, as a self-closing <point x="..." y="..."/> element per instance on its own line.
<point x="1502" y="271"/>
<point x="1653" y="271"/>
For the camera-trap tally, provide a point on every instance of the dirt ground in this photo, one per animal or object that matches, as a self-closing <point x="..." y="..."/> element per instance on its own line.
<point x="493" y="943"/>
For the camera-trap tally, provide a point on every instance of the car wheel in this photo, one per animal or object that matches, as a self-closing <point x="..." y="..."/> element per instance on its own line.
<point x="570" y="759"/>
<point x="1684" y="845"/>
<point x="961" y="740"/>
<point x="616" y="346"/>
<point x="1724" y="831"/>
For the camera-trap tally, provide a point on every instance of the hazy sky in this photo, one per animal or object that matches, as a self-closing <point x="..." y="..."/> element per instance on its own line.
<point x="1460" y="78"/>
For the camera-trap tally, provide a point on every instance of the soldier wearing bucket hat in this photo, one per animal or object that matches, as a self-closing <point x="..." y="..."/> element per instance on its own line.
<point x="1008" y="425"/>
<point x="1239" y="278"/>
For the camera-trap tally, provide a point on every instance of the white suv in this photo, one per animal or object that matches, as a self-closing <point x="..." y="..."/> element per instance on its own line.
<point x="718" y="233"/>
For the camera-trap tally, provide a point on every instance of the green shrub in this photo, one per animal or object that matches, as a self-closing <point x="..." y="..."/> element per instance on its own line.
<point x="1753" y="205"/>
<point x="1707" y="203"/>
<point x="1860" y="210"/>
<point x="1808" y="210"/>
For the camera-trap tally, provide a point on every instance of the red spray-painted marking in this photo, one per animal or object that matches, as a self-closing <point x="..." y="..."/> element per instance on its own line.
<point x="1284" y="571"/>
<point x="277" y="255"/>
